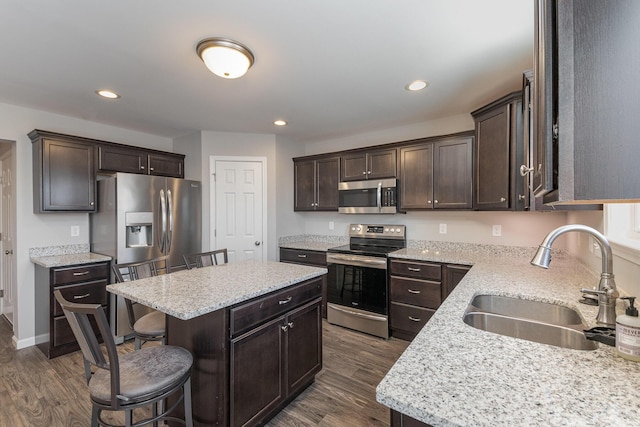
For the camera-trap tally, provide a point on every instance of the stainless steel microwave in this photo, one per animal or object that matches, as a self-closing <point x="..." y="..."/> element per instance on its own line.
<point x="368" y="197"/>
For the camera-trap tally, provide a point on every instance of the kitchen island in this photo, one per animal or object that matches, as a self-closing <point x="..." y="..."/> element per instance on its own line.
<point x="253" y="327"/>
<point x="455" y="375"/>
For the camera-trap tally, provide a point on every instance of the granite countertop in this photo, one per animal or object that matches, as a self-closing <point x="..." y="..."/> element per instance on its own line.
<point x="308" y="245"/>
<point x="455" y="375"/>
<point x="64" y="260"/>
<point x="190" y="293"/>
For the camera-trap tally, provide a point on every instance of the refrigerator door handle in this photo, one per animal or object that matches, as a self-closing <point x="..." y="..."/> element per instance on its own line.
<point x="163" y="220"/>
<point x="170" y="220"/>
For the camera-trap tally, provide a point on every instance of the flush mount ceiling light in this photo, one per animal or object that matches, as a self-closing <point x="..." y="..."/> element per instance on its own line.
<point x="416" y="85"/>
<point x="280" y="123"/>
<point x="225" y="58"/>
<point x="105" y="93"/>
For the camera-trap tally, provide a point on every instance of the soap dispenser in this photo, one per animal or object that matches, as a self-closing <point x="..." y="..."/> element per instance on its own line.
<point x="628" y="332"/>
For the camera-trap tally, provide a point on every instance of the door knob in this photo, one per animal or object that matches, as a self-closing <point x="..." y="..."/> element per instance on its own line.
<point x="8" y="252"/>
<point x="257" y="243"/>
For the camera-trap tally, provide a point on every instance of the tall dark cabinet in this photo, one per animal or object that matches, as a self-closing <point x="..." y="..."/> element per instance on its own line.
<point x="585" y="105"/>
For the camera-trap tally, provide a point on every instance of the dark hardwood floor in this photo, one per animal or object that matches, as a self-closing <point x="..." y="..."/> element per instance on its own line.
<point x="36" y="391"/>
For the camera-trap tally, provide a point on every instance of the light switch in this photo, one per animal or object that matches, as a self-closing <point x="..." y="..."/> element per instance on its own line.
<point x="496" y="230"/>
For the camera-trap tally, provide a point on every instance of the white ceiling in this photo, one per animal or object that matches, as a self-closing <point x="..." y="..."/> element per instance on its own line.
<point x="329" y="67"/>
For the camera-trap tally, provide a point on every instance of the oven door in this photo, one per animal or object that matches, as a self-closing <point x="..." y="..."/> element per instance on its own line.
<point x="357" y="281"/>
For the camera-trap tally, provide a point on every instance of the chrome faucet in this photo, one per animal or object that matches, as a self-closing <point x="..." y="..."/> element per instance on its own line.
<point x="607" y="291"/>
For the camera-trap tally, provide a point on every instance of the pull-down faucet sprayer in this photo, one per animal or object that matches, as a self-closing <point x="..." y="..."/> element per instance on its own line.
<point x="607" y="291"/>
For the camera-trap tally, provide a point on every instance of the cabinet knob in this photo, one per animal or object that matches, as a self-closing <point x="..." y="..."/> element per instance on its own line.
<point x="364" y="172"/>
<point x="435" y="201"/>
<point x="91" y="204"/>
<point x="284" y="327"/>
<point x="368" y="172"/>
<point x="141" y="167"/>
<point x="151" y="169"/>
<point x="428" y="202"/>
<point x="502" y="199"/>
<point x="521" y="197"/>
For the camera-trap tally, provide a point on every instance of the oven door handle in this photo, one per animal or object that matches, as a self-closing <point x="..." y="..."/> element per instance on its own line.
<point x="355" y="313"/>
<point x="380" y="263"/>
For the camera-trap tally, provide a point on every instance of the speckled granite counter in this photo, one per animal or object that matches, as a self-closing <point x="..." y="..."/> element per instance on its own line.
<point x="455" y="375"/>
<point x="61" y="256"/>
<point x="190" y="293"/>
<point x="312" y="242"/>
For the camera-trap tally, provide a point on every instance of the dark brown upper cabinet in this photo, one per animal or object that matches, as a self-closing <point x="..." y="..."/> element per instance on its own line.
<point x="499" y="151"/>
<point x="585" y="109"/>
<point x="120" y="158"/>
<point x="316" y="184"/>
<point x="437" y="173"/>
<point x="370" y="164"/>
<point x="64" y="174"/>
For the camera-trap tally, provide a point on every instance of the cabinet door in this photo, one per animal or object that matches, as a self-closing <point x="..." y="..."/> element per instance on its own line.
<point x="165" y="165"/>
<point x="304" y="345"/>
<point x="416" y="177"/>
<point x="453" y="274"/>
<point x="493" y="149"/>
<point x="354" y="167"/>
<point x="327" y="178"/>
<point x="304" y="185"/>
<point x="453" y="174"/>
<point x="120" y="159"/>
<point x="68" y="180"/>
<point x="381" y="164"/>
<point x="257" y="373"/>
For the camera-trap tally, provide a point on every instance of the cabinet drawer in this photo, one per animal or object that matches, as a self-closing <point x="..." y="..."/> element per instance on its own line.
<point x="251" y="314"/>
<point x="419" y="270"/>
<point x="299" y="256"/>
<point x="85" y="293"/>
<point x="63" y="334"/>
<point x="408" y="317"/>
<point x="80" y="273"/>
<point x="423" y="293"/>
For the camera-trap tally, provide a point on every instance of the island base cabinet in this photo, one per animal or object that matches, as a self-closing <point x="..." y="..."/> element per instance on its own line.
<point x="399" y="419"/>
<point x="272" y="363"/>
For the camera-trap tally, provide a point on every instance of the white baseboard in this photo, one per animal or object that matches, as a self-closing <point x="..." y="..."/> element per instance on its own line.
<point x="29" y="342"/>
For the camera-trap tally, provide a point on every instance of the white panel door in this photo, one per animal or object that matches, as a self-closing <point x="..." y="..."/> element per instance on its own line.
<point x="8" y="233"/>
<point x="239" y="209"/>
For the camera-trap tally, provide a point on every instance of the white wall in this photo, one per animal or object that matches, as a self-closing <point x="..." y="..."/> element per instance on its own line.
<point x="48" y="229"/>
<point x="288" y="223"/>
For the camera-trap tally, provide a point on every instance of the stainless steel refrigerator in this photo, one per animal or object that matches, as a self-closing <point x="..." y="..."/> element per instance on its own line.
<point x="141" y="217"/>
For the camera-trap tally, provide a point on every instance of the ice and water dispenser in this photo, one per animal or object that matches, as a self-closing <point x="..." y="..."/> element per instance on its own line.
<point x="139" y="229"/>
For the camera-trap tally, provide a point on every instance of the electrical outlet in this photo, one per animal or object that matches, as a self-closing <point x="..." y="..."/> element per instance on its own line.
<point x="75" y="230"/>
<point x="331" y="225"/>
<point x="496" y="230"/>
<point x="443" y="228"/>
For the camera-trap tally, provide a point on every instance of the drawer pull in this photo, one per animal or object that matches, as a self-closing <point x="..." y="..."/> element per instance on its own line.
<point x="286" y="301"/>
<point x="414" y="319"/>
<point x="83" y="273"/>
<point x="302" y="256"/>
<point x="81" y="296"/>
<point x="413" y="291"/>
<point x="413" y="269"/>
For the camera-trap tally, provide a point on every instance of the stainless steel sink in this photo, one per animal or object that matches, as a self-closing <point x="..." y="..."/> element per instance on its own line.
<point x="536" y="321"/>
<point x="527" y="309"/>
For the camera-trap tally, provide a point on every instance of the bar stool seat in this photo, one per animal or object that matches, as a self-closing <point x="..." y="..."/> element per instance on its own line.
<point x="151" y="324"/>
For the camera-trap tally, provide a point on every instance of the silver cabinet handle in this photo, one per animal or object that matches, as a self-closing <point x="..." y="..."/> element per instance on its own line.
<point x="92" y="203"/>
<point x="414" y="319"/>
<point x="364" y="173"/>
<point x="413" y="291"/>
<point x="302" y="256"/>
<point x="413" y="269"/>
<point x="286" y="301"/>
<point x="368" y="172"/>
<point x="290" y="325"/>
<point x="81" y="296"/>
<point x="79" y="273"/>
<point x="502" y="199"/>
<point x="151" y="169"/>
<point x="435" y="201"/>
<point x="141" y="168"/>
<point x="428" y="202"/>
<point x="284" y="327"/>
<point x="524" y="170"/>
<point x="521" y="197"/>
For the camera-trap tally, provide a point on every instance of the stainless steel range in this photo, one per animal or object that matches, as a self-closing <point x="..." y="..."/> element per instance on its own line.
<point x="357" y="289"/>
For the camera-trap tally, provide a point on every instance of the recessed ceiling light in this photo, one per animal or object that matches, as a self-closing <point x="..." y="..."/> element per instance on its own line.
<point x="416" y="85"/>
<point x="280" y="123"/>
<point x="107" y="94"/>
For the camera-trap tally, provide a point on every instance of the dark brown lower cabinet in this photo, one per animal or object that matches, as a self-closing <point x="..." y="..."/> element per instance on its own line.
<point x="399" y="419"/>
<point x="308" y="257"/>
<point x="272" y="362"/>
<point x="252" y="359"/>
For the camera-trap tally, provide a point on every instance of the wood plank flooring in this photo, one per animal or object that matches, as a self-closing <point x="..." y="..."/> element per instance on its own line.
<point x="38" y="392"/>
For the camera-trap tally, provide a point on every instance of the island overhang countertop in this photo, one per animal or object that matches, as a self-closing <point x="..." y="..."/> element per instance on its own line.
<point x="455" y="375"/>
<point x="190" y="293"/>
